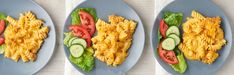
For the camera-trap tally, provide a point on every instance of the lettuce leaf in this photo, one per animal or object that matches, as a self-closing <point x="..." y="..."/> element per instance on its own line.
<point x="181" y="66"/>
<point x="68" y="36"/>
<point x="75" y="18"/>
<point x="84" y="62"/>
<point x="2" y="16"/>
<point x="173" y="18"/>
<point x="159" y="36"/>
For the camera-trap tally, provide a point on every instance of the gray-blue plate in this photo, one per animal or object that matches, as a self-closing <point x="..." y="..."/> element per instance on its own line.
<point x="208" y="8"/>
<point x="104" y="8"/>
<point x="14" y="8"/>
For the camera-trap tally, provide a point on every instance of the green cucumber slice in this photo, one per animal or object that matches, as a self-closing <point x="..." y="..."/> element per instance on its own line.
<point x="168" y="44"/>
<point x="79" y="41"/>
<point x="70" y="41"/>
<point x="173" y="29"/>
<point x="76" y="50"/>
<point x="175" y="37"/>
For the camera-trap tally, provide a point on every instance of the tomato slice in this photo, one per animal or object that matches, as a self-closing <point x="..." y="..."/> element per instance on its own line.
<point x="88" y="21"/>
<point x="163" y="28"/>
<point x="2" y="26"/>
<point x="167" y="56"/>
<point x="1" y="40"/>
<point x="81" y="32"/>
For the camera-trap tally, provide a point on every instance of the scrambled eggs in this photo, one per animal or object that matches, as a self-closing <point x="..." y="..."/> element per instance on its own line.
<point x="113" y="40"/>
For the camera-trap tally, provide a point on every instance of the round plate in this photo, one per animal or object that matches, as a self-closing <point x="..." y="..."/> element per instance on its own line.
<point x="208" y="8"/>
<point x="104" y="8"/>
<point x="14" y="8"/>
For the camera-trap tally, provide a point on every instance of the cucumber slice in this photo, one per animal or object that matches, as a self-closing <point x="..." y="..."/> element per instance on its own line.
<point x="2" y="48"/>
<point x="168" y="44"/>
<point x="70" y="41"/>
<point x="175" y="37"/>
<point x="79" y="41"/>
<point x="173" y="29"/>
<point x="76" y="50"/>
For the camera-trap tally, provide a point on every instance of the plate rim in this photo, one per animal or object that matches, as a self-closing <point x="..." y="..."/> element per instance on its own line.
<point x="55" y="37"/>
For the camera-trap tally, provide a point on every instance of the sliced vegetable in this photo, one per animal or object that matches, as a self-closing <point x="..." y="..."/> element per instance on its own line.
<point x="175" y="37"/>
<point x="163" y="28"/>
<point x="87" y="21"/>
<point x="85" y="61"/>
<point x="2" y="26"/>
<point x="81" y="32"/>
<point x="167" y="56"/>
<point x="181" y="66"/>
<point x="2" y="48"/>
<point x="173" y="19"/>
<point x="79" y="41"/>
<point x="173" y="30"/>
<point x="168" y="44"/>
<point x="70" y="41"/>
<point x="2" y="40"/>
<point x="76" y="18"/>
<point x="76" y="50"/>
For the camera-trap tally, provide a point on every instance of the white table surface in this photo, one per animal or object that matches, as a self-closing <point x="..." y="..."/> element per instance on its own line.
<point x="146" y="9"/>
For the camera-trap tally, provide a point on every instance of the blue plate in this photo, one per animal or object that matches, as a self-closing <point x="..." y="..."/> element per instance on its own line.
<point x="104" y="8"/>
<point x="208" y="8"/>
<point x="14" y="8"/>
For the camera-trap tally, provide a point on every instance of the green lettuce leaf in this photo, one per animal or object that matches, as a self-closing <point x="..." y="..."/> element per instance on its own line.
<point x="181" y="66"/>
<point x="2" y="48"/>
<point x="2" y="16"/>
<point x="76" y="18"/>
<point x="68" y="36"/>
<point x="173" y="19"/>
<point x="84" y="62"/>
<point x="159" y="36"/>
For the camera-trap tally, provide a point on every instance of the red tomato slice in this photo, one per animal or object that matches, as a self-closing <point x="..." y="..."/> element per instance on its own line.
<point x="2" y="26"/>
<point x="167" y="56"/>
<point x="163" y="28"/>
<point x="81" y="32"/>
<point x="88" y="21"/>
<point x="1" y="40"/>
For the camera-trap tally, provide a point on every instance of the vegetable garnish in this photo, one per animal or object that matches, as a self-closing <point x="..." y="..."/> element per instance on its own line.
<point x="78" y="39"/>
<point x="169" y="39"/>
<point x="173" y="19"/>
<point x="76" y="18"/>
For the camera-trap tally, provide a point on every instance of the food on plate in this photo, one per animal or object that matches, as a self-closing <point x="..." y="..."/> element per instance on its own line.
<point x="86" y="61"/>
<point x="202" y="38"/>
<point x="2" y="28"/>
<point x="172" y="18"/>
<point x="24" y="37"/>
<point x="2" y="16"/>
<point x="78" y="39"/>
<point x="80" y="54"/>
<point x="75" y="17"/>
<point x="113" y="39"/>
<point x="2" y="48"/>
<point x="169" y="39"/>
